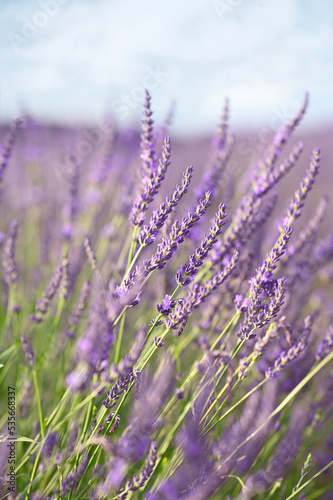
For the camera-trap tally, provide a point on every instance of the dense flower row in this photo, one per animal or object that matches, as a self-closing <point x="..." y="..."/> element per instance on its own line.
<point x="156" y="354"/>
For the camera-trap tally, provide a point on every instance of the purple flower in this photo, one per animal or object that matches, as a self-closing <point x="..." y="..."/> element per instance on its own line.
<point x="122" y="385"/>
<point x="187" y="272"/>
<point x="7" y="147"/>
<point x="222" y="146"/>
<point x="166" y="305"/>
<point x="179" y="231"/>
<point x="79" y="307"/>
<point x="148" y="154"/>
<point x="28" y="350"/>
<point x="295" y="207"/>
<point x="294" y="351"/>
<point x="198" y="294"/>
<point x="326" y="345"/>
<point x="90" y="254"/>
<point x="43" y="304"/>
<point x="9" y="257"/>
<point x="145" y="473"/>
<point x="71" y="481"/>
<point x="148" y="233"/>
<point x="94" y="346"/>
<point x="152" y="178"/>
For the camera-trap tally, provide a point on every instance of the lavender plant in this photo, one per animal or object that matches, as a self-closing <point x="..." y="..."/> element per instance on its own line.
<point x="152" y="353"/>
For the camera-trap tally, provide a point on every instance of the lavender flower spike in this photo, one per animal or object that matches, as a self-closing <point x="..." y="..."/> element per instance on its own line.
<point x="71" y="481"/>
<point x="152" y="185"/>
<point x="90" y="254"/>
<point x="64" y="284"/>
<point x="8" y="145"/>
<point x="294" y="351"/>
<point x="148" y="233"/>
<point x="8" y="256"/>
<point x="127" y="364"/>
<point x="280" y="139"/>
<point x="186" y="273"/>
<point x="309" y="232"/>
<point x="28" y="350"/>
<point x="169" y="246"/>
<point x="94" y="346"/>
<point x="145" y="473"/>
<point x="44" y="303"/>
<point x="79" y="308"/>
<point x="148" y="154"/>
<point x="245" y="221"/>
<point x="198" y="294"/>
<point x="295" y="207"/>
<point x="257" y="317"/>
<point x="262" y="287"/>
<point x="222" y="148"/>
<point x="326" y="345"/>
<point x="120" y="386"/>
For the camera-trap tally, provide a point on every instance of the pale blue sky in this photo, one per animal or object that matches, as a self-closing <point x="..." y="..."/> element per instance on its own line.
<point x="78" y="58"/>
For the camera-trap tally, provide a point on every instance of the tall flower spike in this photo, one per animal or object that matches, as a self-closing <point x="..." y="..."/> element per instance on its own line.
<point x="64" y="285"/>
<point x="255" y="307"/>
<point x="261" y="288"/>
<point x="90" y="254"/>
<point x="221" y="150"/>
<point x="71" y="481"/>
<point x="326" y="345"/>
<point x="294" y="351"/>
<point x="179" y="231"/>
<point x="145" y="474"/>
<point x="297" y="203"/>
<point x="310" y="230"/>
<point x="281" y="137"/>
<point x="94" y="346"/>
<point x="79" y="308"/>
<point x="220" y="139"/>
<point x="163" y="130"/>
<point x="148" y="154"/>
<point x="197" y="295"/>
<point x="120" y="386"/>
<point x="127" y="364"/>
<point x="265" y="213"/>
<point x="238" y="230"/>
<point x="43" y="304"/>
<point x="245" y="220"/>
<point x="214" y="173"/>
<point x="271" y="300"/>
<point x="187" y="272"/>
<point x="270" y="178"/>
<point x="151" y="187"/>
<point x="7" y="147"/>
<point x="9" y="257"/>
<point x="100" y="174"/>
<point x="71" y="209"/>
<point x="28" y="350"/>
<point x="148" y="233"/>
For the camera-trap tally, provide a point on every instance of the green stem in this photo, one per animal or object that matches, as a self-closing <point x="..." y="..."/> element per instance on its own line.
<point x="9" y="312"/>
<point x="33" y="473"/>
<point x="41" y="421"/>
<point x="119" y="339"/>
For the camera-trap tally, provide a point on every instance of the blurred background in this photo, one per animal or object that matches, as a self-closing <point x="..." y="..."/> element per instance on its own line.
<point x="71" y="61"/>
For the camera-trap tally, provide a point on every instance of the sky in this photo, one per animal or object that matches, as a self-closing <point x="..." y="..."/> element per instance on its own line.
<point x="78" y="60"/>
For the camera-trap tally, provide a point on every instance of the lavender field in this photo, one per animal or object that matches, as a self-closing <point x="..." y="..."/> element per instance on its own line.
<point x="165" y="312"/>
